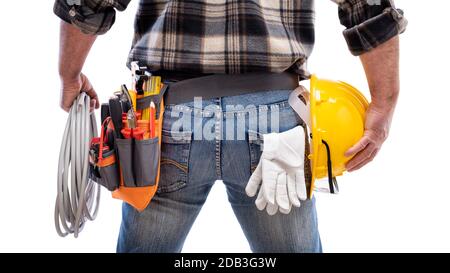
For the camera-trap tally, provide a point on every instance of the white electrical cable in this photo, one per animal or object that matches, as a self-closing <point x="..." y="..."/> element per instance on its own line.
<point x="78" y="196"/>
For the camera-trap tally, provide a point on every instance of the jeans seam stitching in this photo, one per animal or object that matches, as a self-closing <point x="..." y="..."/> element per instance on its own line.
<point x="175" y="163"/>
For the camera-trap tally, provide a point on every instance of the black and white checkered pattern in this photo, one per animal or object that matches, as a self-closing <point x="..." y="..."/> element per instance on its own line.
<point x="234" y="36"/>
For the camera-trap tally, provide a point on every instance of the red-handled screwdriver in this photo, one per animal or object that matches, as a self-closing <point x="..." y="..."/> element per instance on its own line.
<point x="152" y="119"/>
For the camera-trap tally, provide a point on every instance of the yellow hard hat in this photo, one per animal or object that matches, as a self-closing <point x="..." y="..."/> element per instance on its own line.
<point x="336" y="120"/>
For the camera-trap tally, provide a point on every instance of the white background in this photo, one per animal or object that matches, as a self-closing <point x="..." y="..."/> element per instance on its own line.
<point x="399" y="203"/>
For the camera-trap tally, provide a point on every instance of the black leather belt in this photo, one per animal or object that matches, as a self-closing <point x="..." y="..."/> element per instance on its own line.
<point x="220" y="85"/>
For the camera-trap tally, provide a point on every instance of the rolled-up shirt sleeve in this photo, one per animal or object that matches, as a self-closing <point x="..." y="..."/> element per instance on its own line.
<point x="90" y="16"/>
<point x="369" y="23"/>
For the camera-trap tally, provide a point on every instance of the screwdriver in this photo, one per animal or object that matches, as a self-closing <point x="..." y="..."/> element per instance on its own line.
<point x="152" y="119"/>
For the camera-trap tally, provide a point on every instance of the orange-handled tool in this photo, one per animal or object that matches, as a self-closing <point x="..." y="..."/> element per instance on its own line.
<point x="136" y="133"/>
<point x="145" y="126"/>
<point x="127" y="133"/>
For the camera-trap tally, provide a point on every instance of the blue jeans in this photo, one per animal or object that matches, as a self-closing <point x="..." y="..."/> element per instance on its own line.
<point x="200" y="146"/>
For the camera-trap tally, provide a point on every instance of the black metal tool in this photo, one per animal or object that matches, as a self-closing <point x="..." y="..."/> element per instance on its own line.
<point x="104" y="112"/>
<point x="115" y="110"/>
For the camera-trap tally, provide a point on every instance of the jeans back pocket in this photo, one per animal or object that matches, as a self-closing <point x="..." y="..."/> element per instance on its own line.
<point x="255" y="146"/>
<point x="175" y="152"/>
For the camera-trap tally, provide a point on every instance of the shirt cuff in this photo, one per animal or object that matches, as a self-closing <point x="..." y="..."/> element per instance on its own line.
<point x="61" y="9"/>
<point x="84" y="18"/>
<point x="375" y="31"/>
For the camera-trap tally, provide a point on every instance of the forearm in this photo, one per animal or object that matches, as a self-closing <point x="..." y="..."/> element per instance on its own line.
<point x="74" y="48"/>
<point x="382" y="71"/>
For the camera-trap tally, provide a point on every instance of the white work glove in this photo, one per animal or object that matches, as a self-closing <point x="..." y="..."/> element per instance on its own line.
<point x="261" y="201"/>
<point x="280" y="172"/>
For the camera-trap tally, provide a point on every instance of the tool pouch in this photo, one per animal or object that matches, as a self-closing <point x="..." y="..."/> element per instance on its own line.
<point x="125" y="149"/>
<point x="145" y="159"/>
<point x="103" y="165"/>
<point x="109" y="174"/>
<point x="140" y="160"/>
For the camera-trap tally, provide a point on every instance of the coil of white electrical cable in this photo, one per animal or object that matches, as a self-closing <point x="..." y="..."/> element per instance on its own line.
<point x="78" y="197"/>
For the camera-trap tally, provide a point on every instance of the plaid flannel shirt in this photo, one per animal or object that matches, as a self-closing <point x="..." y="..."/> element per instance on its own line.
<point x="233" y="36"/>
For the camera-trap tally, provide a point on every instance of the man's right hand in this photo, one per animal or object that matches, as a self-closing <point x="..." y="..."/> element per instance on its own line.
<point x="72" y="87"/>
